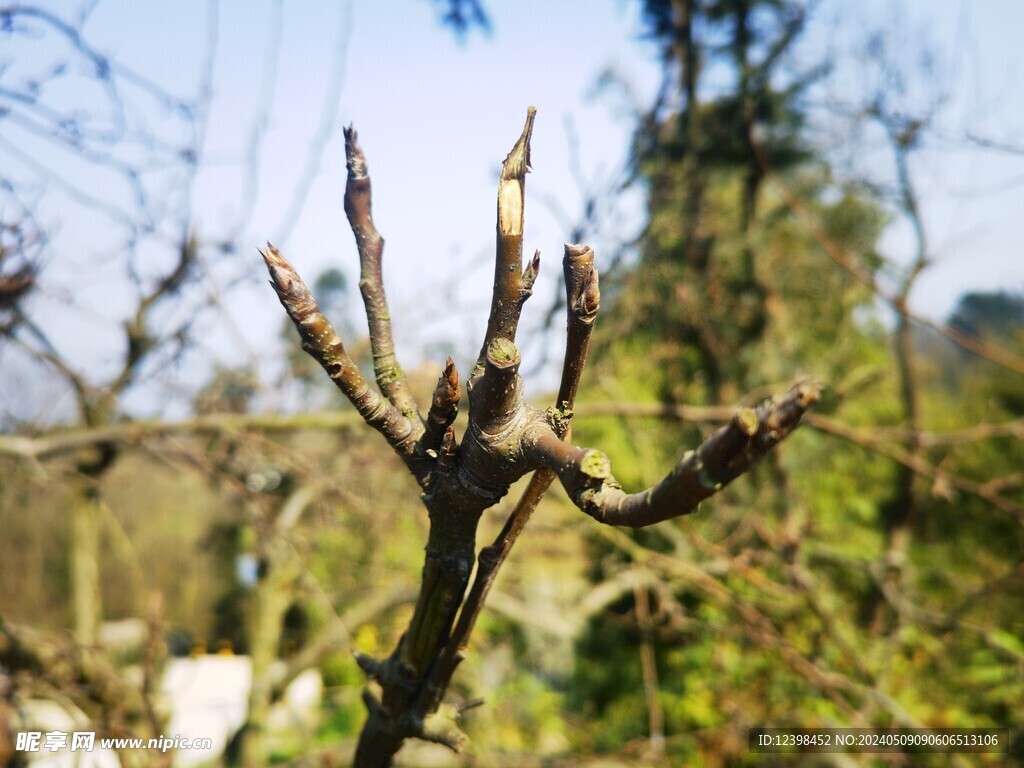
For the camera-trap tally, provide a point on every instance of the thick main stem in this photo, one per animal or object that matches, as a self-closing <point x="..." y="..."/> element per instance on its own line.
<point x="455" y="501"/>
<point x="583" y="300"/>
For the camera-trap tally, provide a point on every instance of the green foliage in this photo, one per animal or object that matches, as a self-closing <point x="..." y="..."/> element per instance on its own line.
<point x="806" y="617"/>
<point x="996" y="316"/>
<point x="344" y="711"/>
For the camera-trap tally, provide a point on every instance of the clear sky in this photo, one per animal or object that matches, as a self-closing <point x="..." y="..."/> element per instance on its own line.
<point x="435" y="118"/>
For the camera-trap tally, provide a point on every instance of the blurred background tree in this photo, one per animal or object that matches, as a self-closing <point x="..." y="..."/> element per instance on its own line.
<point x="842" y="596"/>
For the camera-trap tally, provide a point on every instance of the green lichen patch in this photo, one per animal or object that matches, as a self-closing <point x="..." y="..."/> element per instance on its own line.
<point x="389" y="374"/>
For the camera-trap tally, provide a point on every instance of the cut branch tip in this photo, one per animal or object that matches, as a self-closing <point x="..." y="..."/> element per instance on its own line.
<point x="517" y="163"/>
<point x="502" y="353"/>
<point x="577" y="251"/>
<point x="596" y="465"/>
<point x="746" y="420"/>
<point x="808" y="392"/>
<point x="355" y="160"/>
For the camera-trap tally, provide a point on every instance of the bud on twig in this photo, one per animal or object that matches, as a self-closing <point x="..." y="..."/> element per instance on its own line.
<point x="530" y="275"/>
<point x="449" y="448"/>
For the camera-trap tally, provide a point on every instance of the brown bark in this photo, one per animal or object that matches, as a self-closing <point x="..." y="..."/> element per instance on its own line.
<point x="390" y="376"/>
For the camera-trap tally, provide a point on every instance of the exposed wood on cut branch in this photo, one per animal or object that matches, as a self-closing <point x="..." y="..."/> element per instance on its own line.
<point x="728" y="453"/>
<point x="511" y="286"/>
<point x="358" y="200"/>
<point x="323" y="344"/>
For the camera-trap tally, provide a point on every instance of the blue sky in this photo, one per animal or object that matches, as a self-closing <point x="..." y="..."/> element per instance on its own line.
<point x="436" y="117"/>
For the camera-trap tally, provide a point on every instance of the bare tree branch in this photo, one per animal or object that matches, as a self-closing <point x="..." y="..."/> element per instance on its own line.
<point x="836" y="252"/>
<point x="323" y="344"/>
<point x="728" y="453"/>
<point x="390" y="376"/>
<point x="509" y="291"/>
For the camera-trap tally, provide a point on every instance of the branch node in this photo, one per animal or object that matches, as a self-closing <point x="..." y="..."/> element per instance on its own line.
<point x="589" y="301"/>
<point x="706" y="480"/>
<point x="746" y="420"/>
<point x="595" y="465"/>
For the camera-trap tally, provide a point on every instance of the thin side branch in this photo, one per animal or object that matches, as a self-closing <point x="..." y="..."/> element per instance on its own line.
<point x="583" y="300"/>
<point x="323" y="344"/>
<point x="358" y="201"/>
<point x="873" y="441"/>
<point x="728" y="453"/>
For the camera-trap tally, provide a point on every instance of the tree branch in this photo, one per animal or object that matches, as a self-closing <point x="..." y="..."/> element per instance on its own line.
<point x="509" y="291"/>
<point x="917" y="463"/>
<point x="505" y="440"/>
<point x="728" y="453"/>
<point x="358" y="201"/>
<point x="323" y="344"/>
<point x="834" y="251"/>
